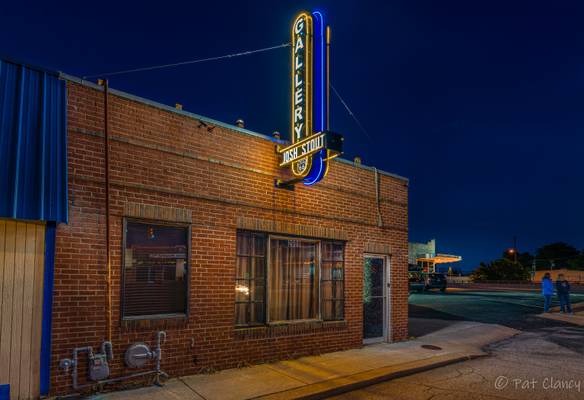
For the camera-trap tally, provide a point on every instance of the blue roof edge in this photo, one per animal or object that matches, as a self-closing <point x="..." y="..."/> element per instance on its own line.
<point x="211" y="121"/>
<point x="28" y="65"/>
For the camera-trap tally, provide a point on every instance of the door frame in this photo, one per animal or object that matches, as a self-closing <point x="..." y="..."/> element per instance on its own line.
<point x="387" y="298"/>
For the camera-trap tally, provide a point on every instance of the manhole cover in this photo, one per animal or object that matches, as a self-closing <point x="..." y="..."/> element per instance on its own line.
<point x="431" y="347"/>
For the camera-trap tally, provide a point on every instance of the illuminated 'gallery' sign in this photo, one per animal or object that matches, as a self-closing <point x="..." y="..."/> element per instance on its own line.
<point x="302" y="34"/>
<point x="312" y="145"/>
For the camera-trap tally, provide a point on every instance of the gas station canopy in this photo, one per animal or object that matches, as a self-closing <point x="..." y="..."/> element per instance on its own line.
<point x="440" y="259"/>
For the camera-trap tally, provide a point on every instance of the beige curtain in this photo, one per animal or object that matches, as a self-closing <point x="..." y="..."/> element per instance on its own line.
<point x="293" y="281"/>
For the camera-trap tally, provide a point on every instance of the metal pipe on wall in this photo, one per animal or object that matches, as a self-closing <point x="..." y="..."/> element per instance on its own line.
<point x="76" y="352"/>
<point x="107" y="351"/>
<point x="377" y="199"/>
<point x="160" y="338"/>
<point x="114" y="380"/>
<point x="107" y="212"/>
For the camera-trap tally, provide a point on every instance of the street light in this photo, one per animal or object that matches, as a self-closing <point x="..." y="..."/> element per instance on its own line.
<point x="513" y="252"/>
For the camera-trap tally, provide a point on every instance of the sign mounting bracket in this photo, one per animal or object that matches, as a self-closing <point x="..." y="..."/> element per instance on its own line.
<point x="287" y="185"/>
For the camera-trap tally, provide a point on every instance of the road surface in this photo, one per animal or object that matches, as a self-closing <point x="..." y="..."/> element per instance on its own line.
<point x="544" y="362"/>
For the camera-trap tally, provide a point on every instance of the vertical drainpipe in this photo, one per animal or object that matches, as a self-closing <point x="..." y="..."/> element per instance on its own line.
<point x="377" y="198"/>
<point x="107" y="212"/>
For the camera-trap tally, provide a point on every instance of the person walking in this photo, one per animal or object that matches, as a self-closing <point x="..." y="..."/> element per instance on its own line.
<point x="547" y="290"/>
<point x="563" y="289"/>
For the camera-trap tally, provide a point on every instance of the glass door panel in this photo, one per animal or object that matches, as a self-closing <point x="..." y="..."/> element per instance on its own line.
<point x="374" y="298"/>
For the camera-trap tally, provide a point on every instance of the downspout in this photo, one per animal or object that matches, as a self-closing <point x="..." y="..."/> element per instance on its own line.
<point x="107" y="212"/>
<point x="377" y="199"/>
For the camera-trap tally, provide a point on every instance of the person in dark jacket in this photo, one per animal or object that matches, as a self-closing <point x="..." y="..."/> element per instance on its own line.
<point x="563" y="289"/>
<point x="547" y="290"/>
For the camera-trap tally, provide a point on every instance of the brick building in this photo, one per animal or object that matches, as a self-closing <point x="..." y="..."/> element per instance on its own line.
<point x="204" y="247"/>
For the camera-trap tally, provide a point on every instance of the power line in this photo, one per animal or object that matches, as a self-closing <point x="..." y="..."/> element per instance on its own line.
<point x="200" y="60"/>
<point x="351" y="113"/>
<point x="226" y="56"/>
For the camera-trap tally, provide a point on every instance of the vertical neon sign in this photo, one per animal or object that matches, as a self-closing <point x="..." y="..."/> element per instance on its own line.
<point x="319" y="165"/>
<point x="302" y="49"/>
<point x="309" y="91"/>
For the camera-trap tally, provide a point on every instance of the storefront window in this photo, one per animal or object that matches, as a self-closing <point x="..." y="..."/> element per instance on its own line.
<point x="155" y="269"/>
<point x="332" y="281"/>
<point x="293" y="280"/>
<point x="291" y="276"/>
<point x="250" y="279"/>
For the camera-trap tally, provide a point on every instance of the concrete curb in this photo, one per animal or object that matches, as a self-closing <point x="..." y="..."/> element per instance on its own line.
<point x="360" y="380"/>
<point x="574" y="319"/>
<point x="575" y="307"/>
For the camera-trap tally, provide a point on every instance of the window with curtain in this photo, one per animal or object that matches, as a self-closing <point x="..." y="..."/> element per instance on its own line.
<point x="304" y="279"/>
<point x="293" y="280"/>
<point x="332" y="281"/>
<point x="250" y="279"/>
<point x="155" y="269"/>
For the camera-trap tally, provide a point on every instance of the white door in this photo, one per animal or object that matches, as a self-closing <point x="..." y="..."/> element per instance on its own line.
<point x="375" y="299"/>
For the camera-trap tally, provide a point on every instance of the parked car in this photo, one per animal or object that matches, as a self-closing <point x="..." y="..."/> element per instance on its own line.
<point x="421" y="281"/>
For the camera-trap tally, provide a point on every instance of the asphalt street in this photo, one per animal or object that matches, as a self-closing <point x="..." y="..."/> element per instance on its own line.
<point x="516" y="310"/>
<point x="543" y="362"/>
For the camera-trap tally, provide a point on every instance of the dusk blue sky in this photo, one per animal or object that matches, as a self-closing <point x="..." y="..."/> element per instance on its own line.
<point x="479" y="103"/>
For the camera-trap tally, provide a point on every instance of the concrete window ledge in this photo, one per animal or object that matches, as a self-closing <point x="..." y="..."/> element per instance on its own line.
<point x="158" y="323"/>
<point x="288" y="329"/>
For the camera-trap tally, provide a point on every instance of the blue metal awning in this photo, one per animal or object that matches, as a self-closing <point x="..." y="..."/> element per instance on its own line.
<point x="33" y="144"/>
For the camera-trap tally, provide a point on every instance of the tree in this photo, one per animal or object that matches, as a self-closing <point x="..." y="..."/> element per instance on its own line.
<point x="525" y="259"/>
<point x="501" y="270"/>
<point x="561" y="254"/>
<point x="577" y="262"/>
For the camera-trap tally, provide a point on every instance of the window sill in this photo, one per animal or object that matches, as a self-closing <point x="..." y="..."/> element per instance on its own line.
<point x="160" y="321"/>
<point x="288" y="328"/>
<point x="294" y="322"/>
<point x="154" y="317"/>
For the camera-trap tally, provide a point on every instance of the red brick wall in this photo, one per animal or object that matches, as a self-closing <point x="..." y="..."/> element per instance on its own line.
<point x="165" y="158"/>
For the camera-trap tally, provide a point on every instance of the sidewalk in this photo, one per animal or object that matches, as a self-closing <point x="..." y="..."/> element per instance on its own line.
<point x="320" y="376"/>
<point x="577" y="318"/>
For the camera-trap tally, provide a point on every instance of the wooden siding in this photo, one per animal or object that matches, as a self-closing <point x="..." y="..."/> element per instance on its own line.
<point x="22" y="250"/>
